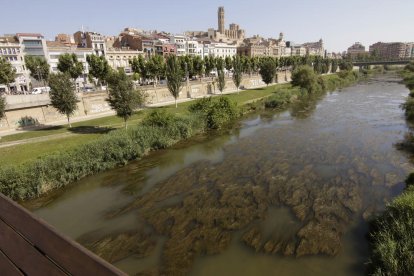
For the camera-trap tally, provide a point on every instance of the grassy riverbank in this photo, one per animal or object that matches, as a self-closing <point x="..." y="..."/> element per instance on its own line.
<point x="391" y="235"/>
<point x="38" y="174"/>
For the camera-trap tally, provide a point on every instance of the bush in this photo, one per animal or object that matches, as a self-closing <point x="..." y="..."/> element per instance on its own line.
<point x="392" y="238"/>
<point x="409" y="67"/>
<point x="216" y="112"/>
<point x="306" y="78"/>
<point x="280" y="99"/>
<point x="408" y="108"/>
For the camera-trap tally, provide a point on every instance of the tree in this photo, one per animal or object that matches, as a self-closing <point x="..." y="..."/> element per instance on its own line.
<point x="175" y="75"/>
<point x="267" y="70"/>
<point x="305" y="77"/>
<point x="209" y="63"/>
<point x="62" y="94"/>
<point x="237" y="71"/>
<point x="38" y="67"/>
<point x="7" y="73"/>
<point x="2" y="107"/>
<point x="346" y="65"/>
<point x="228" y="63"/>
<point x="138" y="66"/>
<point x="156" y="67"/>
<point x="98" y="68"/>
<point x="334" y="66"/>
<point x="68" y="63"/>
<point x="221" y="81"/>
<point x="122" y="97"/>
<point x="198" y="65"/>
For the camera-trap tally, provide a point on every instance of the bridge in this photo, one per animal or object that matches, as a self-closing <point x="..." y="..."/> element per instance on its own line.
<point x="382" y="62"/>
<point x="29" y="246"/>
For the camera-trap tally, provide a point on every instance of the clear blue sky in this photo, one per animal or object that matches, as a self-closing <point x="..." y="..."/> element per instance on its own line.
<point x="339" y="22"/>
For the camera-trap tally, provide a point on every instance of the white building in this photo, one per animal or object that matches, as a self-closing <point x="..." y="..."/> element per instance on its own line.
<point x="13" y="52"/>
<point x="55" y="49"/>
<point x="193" y="48"/>
<point x="34" y="44"/>
<point x="220" y="50"/>
<point x="180" y="42"/>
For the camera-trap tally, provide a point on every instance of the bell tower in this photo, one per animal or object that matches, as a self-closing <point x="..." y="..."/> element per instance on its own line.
<point x="221" y="20"/>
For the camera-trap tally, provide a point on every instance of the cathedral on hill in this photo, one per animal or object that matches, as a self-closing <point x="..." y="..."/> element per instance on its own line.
<point x="232" y="35"/>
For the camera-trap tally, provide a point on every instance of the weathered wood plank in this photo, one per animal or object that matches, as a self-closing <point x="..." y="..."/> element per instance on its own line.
<point x="24" y="255"/>
<point x="68" y="254"/>
<point x="7" y="267"/>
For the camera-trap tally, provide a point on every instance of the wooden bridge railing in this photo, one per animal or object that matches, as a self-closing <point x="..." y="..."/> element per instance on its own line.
<point x="29" y="246"/>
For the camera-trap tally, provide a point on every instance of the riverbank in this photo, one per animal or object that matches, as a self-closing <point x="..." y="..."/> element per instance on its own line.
<point x="38" y="176"/>
<point x="391" y="234"/>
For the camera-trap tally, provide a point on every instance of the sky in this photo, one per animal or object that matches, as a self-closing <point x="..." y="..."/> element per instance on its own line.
<point x="339" y="23"/>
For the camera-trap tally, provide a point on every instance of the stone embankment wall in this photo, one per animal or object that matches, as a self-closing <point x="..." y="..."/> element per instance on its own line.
<point x="36" y="109"/>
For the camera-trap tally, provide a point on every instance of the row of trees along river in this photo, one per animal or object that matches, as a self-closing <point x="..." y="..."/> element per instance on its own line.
<point x="123" y="96"/>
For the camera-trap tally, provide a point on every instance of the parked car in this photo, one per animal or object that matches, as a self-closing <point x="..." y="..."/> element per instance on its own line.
<point x="88" y="89"/>
<point x="40" y="90"/>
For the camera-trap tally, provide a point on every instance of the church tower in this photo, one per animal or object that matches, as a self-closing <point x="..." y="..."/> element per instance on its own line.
<point x="221" y="20"/>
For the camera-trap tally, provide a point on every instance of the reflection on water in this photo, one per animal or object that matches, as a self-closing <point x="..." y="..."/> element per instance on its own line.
<point x="285" y="194"/>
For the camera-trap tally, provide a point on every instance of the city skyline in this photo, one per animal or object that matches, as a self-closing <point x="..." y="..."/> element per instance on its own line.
<point x="339" y="26"/>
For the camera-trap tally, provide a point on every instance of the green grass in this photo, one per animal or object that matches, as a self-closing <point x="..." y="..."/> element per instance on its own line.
<point x="18" y="154"/>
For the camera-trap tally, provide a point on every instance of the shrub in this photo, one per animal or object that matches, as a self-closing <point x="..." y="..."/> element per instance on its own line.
<point x="408" y="108"/>
<point x="279" y="99"/>
<point x="306" y="78"/>
<point x="392" y="238"/>
<point x="216" y="112"/>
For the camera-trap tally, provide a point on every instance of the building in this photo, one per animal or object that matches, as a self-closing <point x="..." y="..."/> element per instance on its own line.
<point x="222" y="50"/>
<point x="392" y="50"/>
<point x="232" y="35"/>
<point x="297" y="50"/>
<point x="65" y="39"/>
<point x="180" y="42"/>
<point x="165" y="49"/>
<point x="120" y="58"/>
<point x="12" y="51"/>
<point x="409" y="50"/>
<point x="148" y="42"/>
<point x="356" y="50"/>
<point x="34" y="44"/>
<point x="194" y="48"/>
<point x="91" y="40"/>
<point x="315" y="48"/>
<point x="55" y="49"/>
<point x="257" y="46"/>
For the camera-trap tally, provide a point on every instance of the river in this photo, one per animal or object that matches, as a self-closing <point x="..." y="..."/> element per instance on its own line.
<point x="284" y="193"/>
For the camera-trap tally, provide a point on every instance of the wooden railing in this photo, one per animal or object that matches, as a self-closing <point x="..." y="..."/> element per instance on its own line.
<point x="29" y="246"/>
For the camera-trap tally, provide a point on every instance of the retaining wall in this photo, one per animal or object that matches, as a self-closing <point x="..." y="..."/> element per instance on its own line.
<point x="37" y="108"/>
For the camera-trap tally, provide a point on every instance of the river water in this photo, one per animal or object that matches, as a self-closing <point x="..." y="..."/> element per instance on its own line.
<point x="285" y="193"/>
